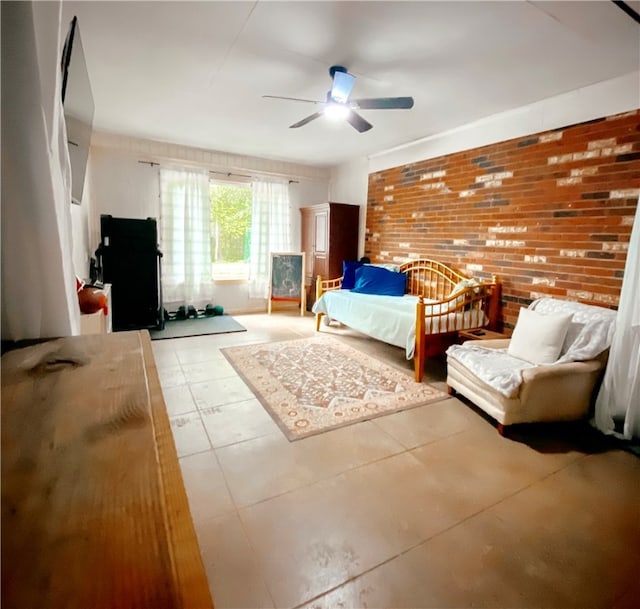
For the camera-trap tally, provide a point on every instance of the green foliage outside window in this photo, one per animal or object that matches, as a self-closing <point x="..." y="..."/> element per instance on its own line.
<point x="230" y="223"/>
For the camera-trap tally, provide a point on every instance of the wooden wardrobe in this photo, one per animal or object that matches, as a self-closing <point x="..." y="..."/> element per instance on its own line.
<point x="329" y="236"/>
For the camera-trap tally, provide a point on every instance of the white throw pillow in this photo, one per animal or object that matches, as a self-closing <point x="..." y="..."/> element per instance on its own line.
<point x="461" y="286"/>
<point x="538" y="338"/>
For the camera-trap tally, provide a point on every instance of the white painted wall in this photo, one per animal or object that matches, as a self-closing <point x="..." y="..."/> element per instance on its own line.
<point x="38" y="292"/>
<point x="81" y="229"/>
<point x="348" y="184"/>
<point x="602" y="99"/>
<point x="122" y="186"/>
<point x="302" y="194"/>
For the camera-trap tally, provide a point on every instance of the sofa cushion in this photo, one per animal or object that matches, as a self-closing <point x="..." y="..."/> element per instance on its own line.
<point x="460" y="287"/>
<point x="538" y="338"/>
<point x="376" y="280"/>
<point x="349" y="274"/>
<point x="590" y="331"/>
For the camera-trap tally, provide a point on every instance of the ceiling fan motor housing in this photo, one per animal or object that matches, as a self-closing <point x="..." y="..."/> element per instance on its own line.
<point x="338" y="98"/>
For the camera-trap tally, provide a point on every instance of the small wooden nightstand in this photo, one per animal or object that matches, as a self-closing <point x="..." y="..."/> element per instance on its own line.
<point x="480" y="334"/>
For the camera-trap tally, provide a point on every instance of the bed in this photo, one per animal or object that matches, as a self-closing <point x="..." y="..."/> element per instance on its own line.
<point x="437" y="303"/>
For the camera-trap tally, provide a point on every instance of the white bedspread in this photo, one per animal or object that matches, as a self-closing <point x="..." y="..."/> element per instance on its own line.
<point x="495" y="367"/>
<point x="391" y="319"/>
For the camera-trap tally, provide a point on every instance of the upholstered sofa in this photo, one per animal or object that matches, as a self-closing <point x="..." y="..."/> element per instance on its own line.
<point x="508" y="383"/>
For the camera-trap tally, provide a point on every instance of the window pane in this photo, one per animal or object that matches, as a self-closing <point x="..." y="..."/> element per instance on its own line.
<point x="230" y="230"/>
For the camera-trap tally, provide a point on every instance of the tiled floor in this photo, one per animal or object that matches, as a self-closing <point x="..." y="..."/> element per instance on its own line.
<point x="428" y="507"/>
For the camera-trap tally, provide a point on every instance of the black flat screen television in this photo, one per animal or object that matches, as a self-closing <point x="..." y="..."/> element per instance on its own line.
<point x="77" y="100"/>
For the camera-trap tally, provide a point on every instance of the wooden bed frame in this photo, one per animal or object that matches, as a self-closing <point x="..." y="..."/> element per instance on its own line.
<point x="433" y="281"/>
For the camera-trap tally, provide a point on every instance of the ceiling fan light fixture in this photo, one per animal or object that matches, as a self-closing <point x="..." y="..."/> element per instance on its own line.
<point x="336" y="112"/>
<point x="339" y="105"/>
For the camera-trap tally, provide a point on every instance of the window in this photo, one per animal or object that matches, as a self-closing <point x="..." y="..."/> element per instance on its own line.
<point x="230" y="230"/>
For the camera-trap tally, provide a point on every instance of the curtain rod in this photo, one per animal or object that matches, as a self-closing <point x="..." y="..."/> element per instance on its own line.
<point x="224" y="173"/>
<point x="241" y="175"/>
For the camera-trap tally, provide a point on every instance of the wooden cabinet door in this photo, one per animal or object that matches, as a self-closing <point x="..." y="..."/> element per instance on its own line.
<point x="329" y="235"/>
<point x="306" y="242"/>
<point x="320" y="243"/>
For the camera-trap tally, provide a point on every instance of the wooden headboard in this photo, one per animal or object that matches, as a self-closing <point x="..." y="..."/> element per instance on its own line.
<point x="430" y="279"/>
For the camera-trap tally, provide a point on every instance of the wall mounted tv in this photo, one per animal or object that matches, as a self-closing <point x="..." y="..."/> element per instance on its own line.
<point x="77" y="99"/>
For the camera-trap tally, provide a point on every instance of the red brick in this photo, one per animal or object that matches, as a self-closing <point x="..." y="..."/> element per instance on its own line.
<point x="557" y="217"/>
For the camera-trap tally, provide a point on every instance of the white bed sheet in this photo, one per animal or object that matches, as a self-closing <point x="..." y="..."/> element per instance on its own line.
<point x="391" y="319"/>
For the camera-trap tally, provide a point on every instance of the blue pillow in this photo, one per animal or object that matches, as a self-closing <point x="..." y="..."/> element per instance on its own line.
<point x="376" y="280"/>
<point x="349" y="274"/>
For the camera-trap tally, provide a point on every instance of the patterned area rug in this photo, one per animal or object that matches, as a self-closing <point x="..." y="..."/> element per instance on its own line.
<point x="314" y="384"/>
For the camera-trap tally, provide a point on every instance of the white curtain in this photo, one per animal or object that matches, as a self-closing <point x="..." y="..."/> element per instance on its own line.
<point x="185" y="220"/>
<point x="270" y="231"/>
<point x="619" y="396"/>
<point x="39" y="297"/>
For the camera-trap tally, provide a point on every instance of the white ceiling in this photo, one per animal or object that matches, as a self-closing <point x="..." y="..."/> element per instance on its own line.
<point x="194" y="73"/>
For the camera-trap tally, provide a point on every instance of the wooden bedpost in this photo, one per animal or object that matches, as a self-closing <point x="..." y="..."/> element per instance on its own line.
<point x="494" y="304"/>
<point x="418" y="355"/>
<point x="318" y="288"/>
<point x="318" y="294"/>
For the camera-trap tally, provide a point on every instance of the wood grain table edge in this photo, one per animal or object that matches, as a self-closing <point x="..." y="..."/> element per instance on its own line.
<point x="190" y="575"/>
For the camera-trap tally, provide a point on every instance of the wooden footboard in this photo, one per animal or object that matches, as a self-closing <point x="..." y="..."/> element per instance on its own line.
<point x="439" y="322"/>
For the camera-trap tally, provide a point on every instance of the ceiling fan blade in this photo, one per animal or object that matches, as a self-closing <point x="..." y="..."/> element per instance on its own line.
<point x="309" y="101"/>
<point x="306" y="120"/>
<point x="342" y="85"/>
<point x="357" y="122"/>
<point x="383" y="103"/>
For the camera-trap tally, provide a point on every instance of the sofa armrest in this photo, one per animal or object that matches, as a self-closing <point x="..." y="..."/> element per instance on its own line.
<point x="559" y="370"/>
<point x="559" y="391"/>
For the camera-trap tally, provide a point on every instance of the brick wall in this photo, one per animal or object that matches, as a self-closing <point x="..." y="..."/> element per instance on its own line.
<point x="549" y="214"/>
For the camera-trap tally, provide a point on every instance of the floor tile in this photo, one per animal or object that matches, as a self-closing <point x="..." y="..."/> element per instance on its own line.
<point x="166" y="359"/>
<point x="171" y="376"/>
<point x="235" y="578"/>
<point x="545" y="546"/>
<point x="205" y="485"/>
<point x="189" y="434"/>
<point x="400" y="583"/>
<point x="579" y="530"/>
<point x="198" y="354"/>
<point x="313" y="539"/>
<point x="422" y="425"/>
<point x="218" y="368"/>
<point x="178" y="400"/>
<point x="429" y="507"/>
<point x="477" y="467"/>
<point x="296" y="464"/>
<point x="237" y="422"/>
<point x="221" y="391"/>
<point x="161" y="347"/>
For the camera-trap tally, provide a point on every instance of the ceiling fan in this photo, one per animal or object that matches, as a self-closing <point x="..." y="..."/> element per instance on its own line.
<point x="339" y="105"/>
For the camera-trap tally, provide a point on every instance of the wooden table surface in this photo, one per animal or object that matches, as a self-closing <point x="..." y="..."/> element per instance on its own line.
<point x="94" y="512"/>
<point x="482" y="334"/>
